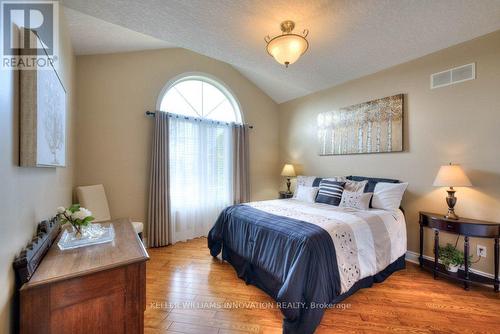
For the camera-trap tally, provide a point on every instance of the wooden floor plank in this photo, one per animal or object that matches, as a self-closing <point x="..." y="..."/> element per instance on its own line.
<point x="190" y="292"/>
<point x="186" y="328"/>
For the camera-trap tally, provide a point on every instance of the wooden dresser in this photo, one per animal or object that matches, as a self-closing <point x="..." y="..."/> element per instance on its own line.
<point x="93" y="289"/>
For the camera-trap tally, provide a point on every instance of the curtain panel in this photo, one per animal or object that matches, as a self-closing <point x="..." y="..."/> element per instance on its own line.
<point x="241" y="164"/>
<point x="201" y="175"/>
<point x="159" y="230"/>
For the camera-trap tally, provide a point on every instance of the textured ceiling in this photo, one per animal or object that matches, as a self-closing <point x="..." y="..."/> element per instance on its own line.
<point x="90" y="35"/>
<point x="348" y="38"/>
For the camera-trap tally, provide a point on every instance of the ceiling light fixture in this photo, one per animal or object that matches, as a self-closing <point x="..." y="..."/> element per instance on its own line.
<point x="287" y="48"/>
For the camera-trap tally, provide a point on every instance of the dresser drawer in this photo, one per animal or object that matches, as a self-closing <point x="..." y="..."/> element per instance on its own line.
<point x="444" y="225"/>
<point x="87" y="287"/>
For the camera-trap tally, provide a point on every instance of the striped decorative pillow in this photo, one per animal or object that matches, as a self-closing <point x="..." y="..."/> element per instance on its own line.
<point x="330" y="192"/>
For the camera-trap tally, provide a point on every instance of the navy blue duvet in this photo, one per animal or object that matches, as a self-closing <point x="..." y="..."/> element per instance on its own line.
<point x="291" y="260"/>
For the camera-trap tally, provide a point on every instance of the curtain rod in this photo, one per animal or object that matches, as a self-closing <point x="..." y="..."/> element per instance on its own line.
<point x="153" y="113"/>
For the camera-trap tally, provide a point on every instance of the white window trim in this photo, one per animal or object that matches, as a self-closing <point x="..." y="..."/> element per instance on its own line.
<point x="208" y="78"/>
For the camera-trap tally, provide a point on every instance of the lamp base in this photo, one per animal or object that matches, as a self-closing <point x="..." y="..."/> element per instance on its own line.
<point x="288" y="184"/>
<point x="451" y="200"/>
<point x="451" y="215"/>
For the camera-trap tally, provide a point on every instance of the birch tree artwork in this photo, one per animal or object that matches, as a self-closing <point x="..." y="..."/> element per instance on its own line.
<point x="52" y="113"/>
<point x="370" y="127"/>
<point x="43" y="119"/>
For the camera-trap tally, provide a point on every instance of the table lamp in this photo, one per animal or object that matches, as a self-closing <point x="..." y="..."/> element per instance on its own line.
<point x="451" y="176"/>
<point x="288" y="171"/>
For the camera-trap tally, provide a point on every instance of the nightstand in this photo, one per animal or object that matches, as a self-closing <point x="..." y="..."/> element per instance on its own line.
<point x="285" y="194"/>
<point x="467" y="228"/>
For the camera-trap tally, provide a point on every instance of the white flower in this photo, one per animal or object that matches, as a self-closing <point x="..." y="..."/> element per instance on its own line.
<point x="86" y="212"/>
<point x="61" y="210"/>
<point x="81" y="214"/>
<point x="77" y="215"/>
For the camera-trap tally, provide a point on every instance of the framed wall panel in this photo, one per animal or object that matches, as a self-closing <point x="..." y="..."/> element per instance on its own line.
<point x="370" y="127"/>
<point x="42" y="118"/>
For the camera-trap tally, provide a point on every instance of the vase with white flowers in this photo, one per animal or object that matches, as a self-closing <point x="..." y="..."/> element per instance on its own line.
<point x="77" y="216"/>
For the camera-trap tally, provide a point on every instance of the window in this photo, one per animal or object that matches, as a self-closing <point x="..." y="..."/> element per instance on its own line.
<point x="200" y="153"/>
<point x="201" y="97"/>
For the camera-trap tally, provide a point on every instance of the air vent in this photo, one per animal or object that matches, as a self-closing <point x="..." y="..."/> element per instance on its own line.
<point x="453" y="76"/>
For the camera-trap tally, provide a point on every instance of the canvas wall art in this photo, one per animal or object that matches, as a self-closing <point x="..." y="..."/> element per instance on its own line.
<point x="370" y="127"/>
<point x="42" y="118"/>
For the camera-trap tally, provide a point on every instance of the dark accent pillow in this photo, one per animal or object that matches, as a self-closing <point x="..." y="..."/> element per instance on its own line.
<point x="317" y="181"/>
<point x="330" y="192"/>
<point x="372" y="181"/>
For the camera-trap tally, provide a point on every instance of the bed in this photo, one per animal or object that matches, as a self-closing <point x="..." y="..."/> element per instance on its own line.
<point x="309" y="256"/>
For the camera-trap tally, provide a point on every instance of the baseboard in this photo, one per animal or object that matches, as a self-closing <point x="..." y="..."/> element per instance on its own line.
<point x="413" y="258"/>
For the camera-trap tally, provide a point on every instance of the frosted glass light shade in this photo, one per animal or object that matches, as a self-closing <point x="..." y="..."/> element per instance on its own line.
<point x="451" y="176"/>
<point x="286" y="49"/>
<point x="288" y="170"/>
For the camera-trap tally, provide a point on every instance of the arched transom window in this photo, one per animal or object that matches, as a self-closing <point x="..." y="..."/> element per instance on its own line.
<point x="201" y="97"/>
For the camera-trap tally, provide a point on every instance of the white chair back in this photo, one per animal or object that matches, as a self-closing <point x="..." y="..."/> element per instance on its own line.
<point x="94" y="199"/>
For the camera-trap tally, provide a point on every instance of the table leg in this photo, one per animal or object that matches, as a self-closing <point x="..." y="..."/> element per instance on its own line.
<point x="421" y="257"/>
<point x="436" y="252"/>
<point x="497" y="251"/>
<point x="466" y="262"/>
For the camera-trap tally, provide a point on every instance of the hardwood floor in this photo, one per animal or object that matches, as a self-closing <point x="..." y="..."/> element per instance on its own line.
<point x="409" y="301"/>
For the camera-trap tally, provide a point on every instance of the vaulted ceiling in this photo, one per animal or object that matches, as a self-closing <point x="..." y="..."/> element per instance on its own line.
<point x="348" y="38"/>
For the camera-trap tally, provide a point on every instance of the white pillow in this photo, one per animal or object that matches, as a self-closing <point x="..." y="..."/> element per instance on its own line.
<point x="336" y="178"/>
<point x="350" y="185"/>
<point x="356" y="199"/>
<point x="355" y="186"/>
<point x="306" y="194"/>
<point x="388" y="196"/>
<point x="305" y="180"/>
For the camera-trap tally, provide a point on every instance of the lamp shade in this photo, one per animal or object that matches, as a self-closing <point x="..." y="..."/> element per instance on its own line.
<point x="288" y="170"/>
<point x="287" y="48"/>
<point x="451" y="176"/>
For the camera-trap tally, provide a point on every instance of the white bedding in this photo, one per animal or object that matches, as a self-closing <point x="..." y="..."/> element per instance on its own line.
<point x="366" y="241"/>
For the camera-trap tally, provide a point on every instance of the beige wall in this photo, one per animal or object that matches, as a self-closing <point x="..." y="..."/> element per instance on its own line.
<point x="28" y="195"/>
<point x="114" y="136"/>
<point x="459" y="123"/>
